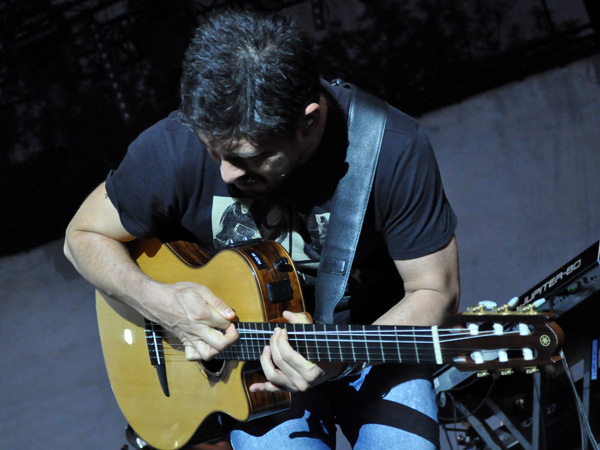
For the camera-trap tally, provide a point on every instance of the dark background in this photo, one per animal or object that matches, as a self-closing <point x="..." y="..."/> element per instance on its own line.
<point x="507" y="90"/>
<point x="80" y="79"/>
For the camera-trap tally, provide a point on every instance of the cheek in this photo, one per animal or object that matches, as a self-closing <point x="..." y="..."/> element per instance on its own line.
<point x="276" y="165"/>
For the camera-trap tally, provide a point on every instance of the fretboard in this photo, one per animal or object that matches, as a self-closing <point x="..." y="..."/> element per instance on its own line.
<point x="349" y="343"/>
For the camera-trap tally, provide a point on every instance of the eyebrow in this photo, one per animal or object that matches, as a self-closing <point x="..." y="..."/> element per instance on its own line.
<point x="257" y="151"/>
<point x="254" y="154"/>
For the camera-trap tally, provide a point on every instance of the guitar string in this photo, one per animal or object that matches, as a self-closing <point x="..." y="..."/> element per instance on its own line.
<point x="356" y="338"/>
<point x="247" y="337"/>
<point x="345" y="353"/>
<point x="249" y="355"/>
<point x="251" y="347"/>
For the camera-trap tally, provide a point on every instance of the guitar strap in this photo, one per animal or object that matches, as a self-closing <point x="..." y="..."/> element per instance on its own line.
<point x="367" y="118"/>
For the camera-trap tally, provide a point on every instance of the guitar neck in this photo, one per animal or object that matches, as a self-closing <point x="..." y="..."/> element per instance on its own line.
<point x="347" y="343"/>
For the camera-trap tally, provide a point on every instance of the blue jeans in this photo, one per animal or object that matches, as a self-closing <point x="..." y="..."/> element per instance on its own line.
<point x="388" y="407"/>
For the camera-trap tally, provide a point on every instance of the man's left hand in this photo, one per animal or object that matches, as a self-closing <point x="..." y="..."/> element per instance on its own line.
<point x="287" y="370"/>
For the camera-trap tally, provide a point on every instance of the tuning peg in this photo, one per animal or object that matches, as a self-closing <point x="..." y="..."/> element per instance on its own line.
<point x="513" y="302"/>
<point x="502" y="356"/>
<point x="539" y="303"/>
<point x="531" y="370"/>
<point x="482" y="373"/>
<point x="506" y="372"/>
<point x="477" y="357"/>
<point x="527" y="354"/>
<point x="524" y="329"/>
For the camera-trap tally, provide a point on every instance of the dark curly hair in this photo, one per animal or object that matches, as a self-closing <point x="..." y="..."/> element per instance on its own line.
<point x="248" y="76"/>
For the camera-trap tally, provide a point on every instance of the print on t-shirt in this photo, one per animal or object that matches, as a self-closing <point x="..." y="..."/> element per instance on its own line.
<point x="235" y="220"/>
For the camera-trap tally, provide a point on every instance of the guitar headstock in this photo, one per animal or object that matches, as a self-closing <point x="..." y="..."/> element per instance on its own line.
<point x="490" y="338"/>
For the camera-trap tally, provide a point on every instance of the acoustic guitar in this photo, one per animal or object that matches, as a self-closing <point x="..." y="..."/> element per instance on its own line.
<point x="167" y="399"/>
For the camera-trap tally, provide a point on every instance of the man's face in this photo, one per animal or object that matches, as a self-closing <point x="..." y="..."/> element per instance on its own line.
<point x="257" y="170"/>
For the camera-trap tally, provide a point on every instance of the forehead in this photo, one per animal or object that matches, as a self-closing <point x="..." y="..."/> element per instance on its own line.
<point x="241" y="148"/>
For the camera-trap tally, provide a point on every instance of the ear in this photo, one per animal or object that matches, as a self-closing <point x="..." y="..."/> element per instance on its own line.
<point x="310" y="121"/>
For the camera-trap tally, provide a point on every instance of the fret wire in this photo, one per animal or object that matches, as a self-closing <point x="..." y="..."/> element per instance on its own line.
<point x="337" y="329"/>
<point x="415" y="346"/>
<point x="304" y="335"/>
<point x="317" y="348"/>
<point x="399" y="350"/>
<point x="370" y="346"/>
<point x="314" y="347"/>
<point x="327" y="345"/>
<point x="242" y="350"/>
<point x="352" y="344"/>
<point x="381" y="344"/>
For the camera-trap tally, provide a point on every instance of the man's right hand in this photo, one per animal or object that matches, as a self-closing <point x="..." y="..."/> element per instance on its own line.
<point x="197" y="317"/>
<point x="95" y="245"/>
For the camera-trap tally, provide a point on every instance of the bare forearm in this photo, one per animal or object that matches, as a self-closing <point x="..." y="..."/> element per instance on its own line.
<point x="424" y="308"/>
<point x="107" y="265"/>
<point x="432" y="286"/>
<point x="94" y="243"/>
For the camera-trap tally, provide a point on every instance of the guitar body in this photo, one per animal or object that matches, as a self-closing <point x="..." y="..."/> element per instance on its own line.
<point x="240" y="276"/>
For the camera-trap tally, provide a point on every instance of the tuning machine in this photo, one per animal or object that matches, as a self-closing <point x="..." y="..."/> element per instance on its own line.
<point x="482" y="307"/>
<point x="532" y="307"/>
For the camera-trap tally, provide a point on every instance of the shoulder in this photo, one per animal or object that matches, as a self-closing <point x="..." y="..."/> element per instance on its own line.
<point x="399" y="124"/>
<point x="169" y="130"/>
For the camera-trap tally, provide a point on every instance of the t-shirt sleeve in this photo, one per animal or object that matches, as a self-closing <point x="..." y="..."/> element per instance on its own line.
<point x="416" y="217"/>
<point x="144" y="188"/>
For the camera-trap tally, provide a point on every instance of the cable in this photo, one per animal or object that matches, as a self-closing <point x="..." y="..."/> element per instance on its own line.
<point x="448" y="438"/>
<point x="482" y="403"/>
<point x="586" y="430"/>
<point x="537" y="388"/>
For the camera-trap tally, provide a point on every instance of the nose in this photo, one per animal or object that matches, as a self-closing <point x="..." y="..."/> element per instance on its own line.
<point x="230" y="172"/>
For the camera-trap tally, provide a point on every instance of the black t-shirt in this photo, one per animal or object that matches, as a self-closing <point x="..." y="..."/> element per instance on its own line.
<point x="168" y="187"/>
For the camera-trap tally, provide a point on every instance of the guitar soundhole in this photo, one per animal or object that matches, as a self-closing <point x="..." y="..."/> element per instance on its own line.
<point x="214" y="367"/>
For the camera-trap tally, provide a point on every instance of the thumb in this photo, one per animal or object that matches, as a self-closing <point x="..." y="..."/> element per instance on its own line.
<point x="300" y="317"/>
